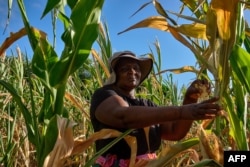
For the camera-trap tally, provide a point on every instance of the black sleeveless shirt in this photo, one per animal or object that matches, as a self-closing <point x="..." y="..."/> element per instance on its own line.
<point x="121" y="149"/>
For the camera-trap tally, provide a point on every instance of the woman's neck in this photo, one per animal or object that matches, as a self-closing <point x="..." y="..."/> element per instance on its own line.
<point x="126" y="92"/>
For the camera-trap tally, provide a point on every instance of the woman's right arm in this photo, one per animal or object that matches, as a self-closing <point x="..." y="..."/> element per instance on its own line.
<point x="114" y="111"/>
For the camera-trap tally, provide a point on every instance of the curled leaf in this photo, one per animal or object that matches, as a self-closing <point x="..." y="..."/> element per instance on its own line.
<point x="64" y="143"/>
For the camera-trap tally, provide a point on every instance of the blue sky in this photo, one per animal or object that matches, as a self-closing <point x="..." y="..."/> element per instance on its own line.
<point x="116" y="13"/>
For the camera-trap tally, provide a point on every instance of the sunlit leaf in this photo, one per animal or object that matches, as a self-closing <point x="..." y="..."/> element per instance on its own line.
<point x="173" y="150"/>
<point x="85" y="32"/>
<point x="75" y="102"/>
<point x="59" y="137"/>
<point x="100" y="61"/>
<point x="10" y="3"/>
<point x="195" y="20"/>
<point x="162" y="12"/>
<point x="240" y="62"/>
<point x="180" y="70"/>
<point x="64" y="19"/>
<point x="211" y="146"/>
<point x="11" y="39"/>
<point x="33" y="39"/>
<point x="182" y="39"/>
<point x="211" y="28"/>
<point x="226" y="17"/>
<point x="236" y="125"/>
<point x="157" y="22"/>
<point x="142" y="7"/>
<point x="43" y="60"/>
<point x="194" y="6"/>
<point x="193" y="30"/>
<point x="81" y="145"/>
<point x="51" y="4"/>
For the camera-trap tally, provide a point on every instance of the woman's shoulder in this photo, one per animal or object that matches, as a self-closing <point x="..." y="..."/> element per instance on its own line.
<point x="106" y="88"/>
<point x="103" y="92"/>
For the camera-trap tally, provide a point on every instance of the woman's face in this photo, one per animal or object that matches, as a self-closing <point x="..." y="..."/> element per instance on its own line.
<point x="128" y="73"/>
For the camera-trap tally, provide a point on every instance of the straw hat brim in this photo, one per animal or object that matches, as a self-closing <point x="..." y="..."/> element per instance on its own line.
<point x="145" y="64"/>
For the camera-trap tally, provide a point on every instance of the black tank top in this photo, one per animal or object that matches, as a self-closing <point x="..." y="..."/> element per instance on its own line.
<point x="121" y="149"/>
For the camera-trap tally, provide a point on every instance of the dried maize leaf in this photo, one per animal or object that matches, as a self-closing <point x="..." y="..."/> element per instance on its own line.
<point x="211" y="146"/>
<point x="196" y="30"/>
<point x="81" y="145"/>
<point x="226" y="17"/>
<point x="157" y="22"/>
<point x="63" y="145"/>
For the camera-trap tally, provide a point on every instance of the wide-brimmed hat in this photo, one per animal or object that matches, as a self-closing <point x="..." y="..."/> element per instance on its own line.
<point x="145" y="64"/>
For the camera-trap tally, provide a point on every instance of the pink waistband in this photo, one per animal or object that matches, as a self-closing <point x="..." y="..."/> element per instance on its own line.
<point x="109" y="160"/>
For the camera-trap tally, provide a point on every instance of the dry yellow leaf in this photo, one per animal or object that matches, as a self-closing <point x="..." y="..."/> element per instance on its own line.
<point x="226" y="12"/>
<point x="64" y="144"/>
<point x="157" y="22"/>
<point x="196" y="30"/>
<point x="81" y="145"/>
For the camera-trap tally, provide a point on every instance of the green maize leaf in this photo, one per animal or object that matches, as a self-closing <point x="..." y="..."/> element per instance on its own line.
<point x="174" y="150"/>
<point x="64" y="19"/>
<point x="104" y="149"/>
<point x="240" y="27"/>
<point x="86" y="29"/>
<point x="58" y="78"/>
<point x="240" y="62"/>
<point x="32" y="35"/>
<point x="236" y="125"/>
<point x="72" y="3"/>
<point x="247" y="44"/>
<point x="207" y="162"/>
<point x="51" y="4"/>
<point x="25" y="112"/>
<point x="85" y="19"/>
<point x="10" y="4"/>
<point x="240" y="93"/>
<point x="46" y="110"/>
<point x="193" y="6"/>
<point x="67" y="38"/>
<point x="43" y="60"/>
<point x="49" y="138"/>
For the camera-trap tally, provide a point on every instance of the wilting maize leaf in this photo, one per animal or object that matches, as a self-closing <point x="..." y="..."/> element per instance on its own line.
<point x="211" y="146"/>
<point x="81" y="145"/>
<point x="173" y="150"/>
<point x="226" y="17"/>
<point x="196" y="30"/>
<point x="157" y="22"/>
<point x="64" y="143"/>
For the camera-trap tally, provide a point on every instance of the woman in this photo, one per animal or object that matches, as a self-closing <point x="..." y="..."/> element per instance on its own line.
<point x="115" y="106"/>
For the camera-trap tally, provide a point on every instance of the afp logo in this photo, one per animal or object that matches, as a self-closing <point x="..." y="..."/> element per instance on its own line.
<point x="236" y="158"/>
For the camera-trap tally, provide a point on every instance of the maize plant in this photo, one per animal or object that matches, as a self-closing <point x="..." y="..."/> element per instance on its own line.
<point x="51" y="127"/>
